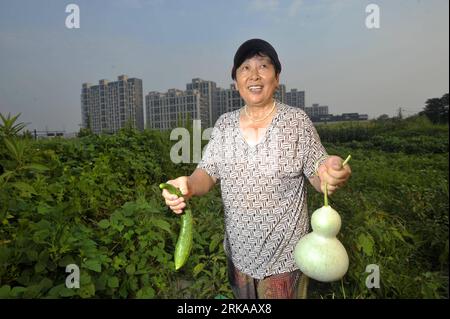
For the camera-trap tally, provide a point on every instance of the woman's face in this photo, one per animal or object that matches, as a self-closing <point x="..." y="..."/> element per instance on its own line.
<point x="257" y="81"/>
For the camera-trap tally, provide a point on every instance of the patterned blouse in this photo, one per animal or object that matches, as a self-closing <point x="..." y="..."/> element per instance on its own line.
<point x="263" y="188"/>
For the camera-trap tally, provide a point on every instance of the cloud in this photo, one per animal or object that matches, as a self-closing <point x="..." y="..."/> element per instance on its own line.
<point x="294" y="7"/>
<point x="135" y="4"/>
<point x="264" y="5"/>
<point x="282" y="9"/>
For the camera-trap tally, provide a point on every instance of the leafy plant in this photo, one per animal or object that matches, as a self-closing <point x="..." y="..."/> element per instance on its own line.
<point x="9" y="127"/>
<point x="94" y="201"/>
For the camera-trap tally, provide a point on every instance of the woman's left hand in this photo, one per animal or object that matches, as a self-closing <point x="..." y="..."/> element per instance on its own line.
<point x="332" y="173"/>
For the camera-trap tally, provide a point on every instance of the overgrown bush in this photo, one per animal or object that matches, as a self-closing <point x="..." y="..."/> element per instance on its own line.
<point x="94" y="202"/>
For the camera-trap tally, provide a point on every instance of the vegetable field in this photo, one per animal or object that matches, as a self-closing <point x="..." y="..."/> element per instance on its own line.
<point x="95" y="202"/>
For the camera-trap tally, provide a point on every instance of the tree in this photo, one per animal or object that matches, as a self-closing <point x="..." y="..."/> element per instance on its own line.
<point x="129" y="127"/>
<point x="383" y="117"/>
<point x="444" y="100"/>
<point x="86" y="131"/>
<point x="436" y="109"/>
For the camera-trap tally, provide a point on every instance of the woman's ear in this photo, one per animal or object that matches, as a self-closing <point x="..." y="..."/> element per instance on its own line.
<point x="277" y="77"/>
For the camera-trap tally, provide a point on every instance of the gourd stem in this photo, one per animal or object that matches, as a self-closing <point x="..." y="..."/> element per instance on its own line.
<point x="346" y="160"/>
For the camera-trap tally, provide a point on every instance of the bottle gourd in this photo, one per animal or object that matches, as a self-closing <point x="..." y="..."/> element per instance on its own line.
<point x="319" y="254"/>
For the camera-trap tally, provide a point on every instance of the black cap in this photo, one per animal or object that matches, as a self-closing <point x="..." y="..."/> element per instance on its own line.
<point x="253" y="47"/>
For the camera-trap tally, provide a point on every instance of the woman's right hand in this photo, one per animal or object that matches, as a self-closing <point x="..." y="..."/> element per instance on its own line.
<point x="177" y="204"/>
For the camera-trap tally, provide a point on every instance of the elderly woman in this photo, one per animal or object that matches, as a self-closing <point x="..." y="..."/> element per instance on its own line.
<point x="262" y="155"/>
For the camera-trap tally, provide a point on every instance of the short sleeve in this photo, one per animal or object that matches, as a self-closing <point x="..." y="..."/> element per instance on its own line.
<point x="315" y="151"/>
<point x="210" y="159"/>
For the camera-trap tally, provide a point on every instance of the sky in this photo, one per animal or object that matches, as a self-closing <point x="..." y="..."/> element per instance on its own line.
<point x="324" y="46"/>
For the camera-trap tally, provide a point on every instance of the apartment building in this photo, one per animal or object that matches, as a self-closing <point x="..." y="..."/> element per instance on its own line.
<point x="316" y="110"/>
<point x="296" y="98"/>
<point x="280" y="93"/>
<point x="166" y="110"/>
<point x="109" y="106"/>
<point x="203" y="100"/>
<point x="208" y="91"/>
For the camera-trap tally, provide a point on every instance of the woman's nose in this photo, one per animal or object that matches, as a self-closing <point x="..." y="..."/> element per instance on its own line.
<point x="254" y="74"/>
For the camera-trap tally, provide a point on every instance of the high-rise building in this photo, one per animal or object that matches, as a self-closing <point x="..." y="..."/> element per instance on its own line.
<point x="228" y="100"/>
<point x="295" y="98"/>
<point x="166" y="110"/>
<point x="202" y="100"/>
<point x="109" y="106"/>
<point x="316" y="110"/>
<point x="208" y="90"/>
<point x="280" y="93"/>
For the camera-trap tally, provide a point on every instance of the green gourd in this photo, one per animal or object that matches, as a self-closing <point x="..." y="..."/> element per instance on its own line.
<point x="185" y="237"/>
<point x="319" y="254"/>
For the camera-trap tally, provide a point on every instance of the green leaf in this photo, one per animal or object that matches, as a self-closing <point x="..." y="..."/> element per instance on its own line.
<point x="214" y="242"/>
<point x="146" y="293"/>
<point x="133" y="283"/>
<point x="131" y="269"/>
<point x="40" y="235"/>
<point x="46" y="284"/>
<point x="128" y="222"/>
<point x="43" y="256"/>
<point x="197" y="269"/>
<point x="67" y="292"/>
<point x="66" y="260"/>
<point x="12" y="147"/>
<point x="24" y="187"/>
<point x="32" y="291"/>
<point x="5" y="175"/>
<point x="5" y="254"/>
<point x="161" y="223"/>
<point x="55" y="291"/>
<point x="129" y="208"/>
<point x="366" y="243"/>
<point x="24" y="278"/>
<point x="4" y="291"/>
<point x="44" y="209"/>
<point x="87" y="291"/>
<point x="39" y="267"/>
<point x="113" y="282"/>
<point x="16" y="291"/>
<point x="101" y="282"/>
<point x="93" y="265"/>
<point x="85" y="278"/>
<point x="36" y="167"/>
<point x="104" y="223"/>
<point x="398" y="235"/>
<point x="32" y="255"/>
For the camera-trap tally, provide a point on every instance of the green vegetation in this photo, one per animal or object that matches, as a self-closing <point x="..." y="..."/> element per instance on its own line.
<point x="95" y="201"/>
<point x="394" y="209"/>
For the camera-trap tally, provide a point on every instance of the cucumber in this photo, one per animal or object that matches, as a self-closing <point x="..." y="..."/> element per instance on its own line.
<point x="185" y="237"/>
<point x="184" y="242"/>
